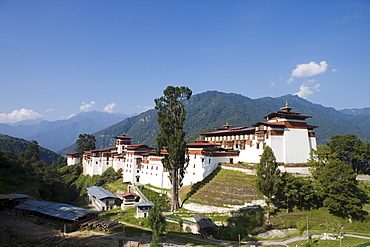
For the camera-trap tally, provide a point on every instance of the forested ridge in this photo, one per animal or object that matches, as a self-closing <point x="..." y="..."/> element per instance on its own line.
<point x="210" y="110"/>
<point x="17" y="145"/>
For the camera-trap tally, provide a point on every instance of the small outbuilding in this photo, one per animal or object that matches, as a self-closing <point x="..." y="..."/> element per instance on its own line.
<point x="205" y="225"/>
<point x="12" y="200"/>
<point x="102" y="199"/>
<point x="143" y="209"/>
<point x="129" y="199"/>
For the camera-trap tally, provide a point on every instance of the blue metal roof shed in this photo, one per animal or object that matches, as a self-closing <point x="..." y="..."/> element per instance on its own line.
<point x="55" y="209"/>
<point x="100" y="193"/>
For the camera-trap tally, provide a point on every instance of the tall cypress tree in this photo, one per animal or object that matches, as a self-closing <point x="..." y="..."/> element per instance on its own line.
<point x="268" y="174"/>
<point x="171" y="119"/>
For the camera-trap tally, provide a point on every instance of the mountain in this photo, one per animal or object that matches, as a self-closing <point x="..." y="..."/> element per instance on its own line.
<point x="210" y="110"/>
<point x="355" y="111"/>
<point x="56" y="135"/>
<point x="16" y="145"/>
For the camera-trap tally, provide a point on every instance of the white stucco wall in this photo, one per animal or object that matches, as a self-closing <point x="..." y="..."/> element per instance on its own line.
<point x="296" y="145"/>
<point x="72" y="161"/>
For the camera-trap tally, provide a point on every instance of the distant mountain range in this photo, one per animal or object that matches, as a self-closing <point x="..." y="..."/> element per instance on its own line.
<point x="17" y="145"/>
<point x="55" y="135"/>
<point x="355" y="112"/>
<point x="209" y="110"/>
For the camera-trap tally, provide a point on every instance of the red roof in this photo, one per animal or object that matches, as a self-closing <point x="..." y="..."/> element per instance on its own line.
<point x="268" y="124"/>
<point x="128" y="194"/>
<point x="201" y="143"/>
<point x="231" y="131"/>
<point x="287" y="115"/>
<point x="103" y="149"/>
<point x="123" y="137"/>
<point x="73" y="154"/>
<point x="136" y="146"/>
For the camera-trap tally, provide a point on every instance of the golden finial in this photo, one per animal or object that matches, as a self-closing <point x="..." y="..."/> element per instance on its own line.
<point x="227" y="125"/>
<point x="286" y="108"/>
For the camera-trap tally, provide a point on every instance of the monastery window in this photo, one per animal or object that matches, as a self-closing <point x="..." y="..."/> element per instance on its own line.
<point x="231" y="161"/>
<point x="193" y="173"/>
<point x="107" y="163"/>
<point x="236" y="146"/>
<point x="195" y="156"/>
<point x="258" y="145"/>
<point x="156" y="168"/>
<point x="137" y="171"/>
<point x="194" y="165"/>
<point x="96" y="162"/>
<point x="242" y="145"/>
<point x="209" y="160"/>
<point x="202" y="160"/>
<point x="152" y="168"/>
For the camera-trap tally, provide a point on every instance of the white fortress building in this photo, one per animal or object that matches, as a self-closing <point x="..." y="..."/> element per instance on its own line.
<point x="286" y="132"/>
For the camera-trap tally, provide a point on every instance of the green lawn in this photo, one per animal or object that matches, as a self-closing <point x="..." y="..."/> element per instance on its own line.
<point x="346" y="242"/>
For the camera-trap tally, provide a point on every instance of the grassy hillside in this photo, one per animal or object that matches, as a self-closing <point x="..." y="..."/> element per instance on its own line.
<point x="227" y="188"/>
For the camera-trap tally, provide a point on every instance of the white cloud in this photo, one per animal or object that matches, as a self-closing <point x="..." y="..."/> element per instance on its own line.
<point x="308" y="70"/>
<point x="86" y="106"/>
<point x="307" y="89"/>
<point x="272" y="84"/>
<point x="334" y="70"/>
<point x="19" y="115"/>
<point x="50" y="109"/>
<point x="145" y="107"/>
<point x="109" y="107"/>
<point x="290" y="81"/>
<point x="67" y="117"/>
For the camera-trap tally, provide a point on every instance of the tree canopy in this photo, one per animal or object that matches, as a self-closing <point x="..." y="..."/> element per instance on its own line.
<point x="350" y="149"/>
<point x="171" y="120"/>
<point x="85" y="142"/>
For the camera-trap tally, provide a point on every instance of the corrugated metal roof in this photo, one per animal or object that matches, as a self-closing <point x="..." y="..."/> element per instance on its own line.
<point x="55" y="209"/>
<point x="13" y="196"/>
<point x="143" y="204"/>
<point x="203" y="221"/>
<point x="99" y="192"/>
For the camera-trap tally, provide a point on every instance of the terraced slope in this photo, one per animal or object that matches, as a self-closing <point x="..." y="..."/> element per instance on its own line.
<point x="228" y="188"/>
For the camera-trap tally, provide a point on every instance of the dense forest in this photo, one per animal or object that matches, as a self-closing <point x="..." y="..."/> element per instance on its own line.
<point x="211" y="110"/>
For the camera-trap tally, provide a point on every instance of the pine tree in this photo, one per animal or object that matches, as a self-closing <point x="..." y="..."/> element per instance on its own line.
<point x="171" y="119"/>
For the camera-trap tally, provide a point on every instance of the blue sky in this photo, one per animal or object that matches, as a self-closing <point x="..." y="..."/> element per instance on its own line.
<point x="58" y="58"/>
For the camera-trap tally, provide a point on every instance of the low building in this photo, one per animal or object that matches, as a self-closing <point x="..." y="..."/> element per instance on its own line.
<point x="204" y="225"/>
<point x="129" y="199"/>
<point x="67" y="217"/>
<point x="73" y="159"/>
<point x="12" y="200"/>
<point x="143" y="209"/>
<point x="102" y="199"/>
